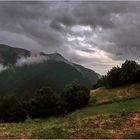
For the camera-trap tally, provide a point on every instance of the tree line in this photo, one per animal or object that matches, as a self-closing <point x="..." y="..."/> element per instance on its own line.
<point x="128" y="73"/>
<point x="45" y="102"/>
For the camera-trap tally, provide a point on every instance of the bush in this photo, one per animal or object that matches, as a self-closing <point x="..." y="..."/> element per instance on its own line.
<point x="61" y="108"/>
<point x="11" y="109"/>
<point x="113" y="77"/>
<point x="100" y="82"/>
<point x="128" y="73"/>
<point x="75" y="96"/>
<point x="42" y="104"/>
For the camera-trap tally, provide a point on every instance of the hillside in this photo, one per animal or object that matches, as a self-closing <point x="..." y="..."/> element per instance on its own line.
<point x="108" y="95"/>
<point x="27" y="79"/>
<point x="119" y="118"/>
<point x="9" y="55"/>
<point x="27" y="71"/>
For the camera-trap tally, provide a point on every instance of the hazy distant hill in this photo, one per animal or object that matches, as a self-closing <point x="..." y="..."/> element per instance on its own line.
<point x="51" y="70"/>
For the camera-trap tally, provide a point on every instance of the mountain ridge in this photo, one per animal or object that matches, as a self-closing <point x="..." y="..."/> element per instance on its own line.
<point x="51" y="70"/>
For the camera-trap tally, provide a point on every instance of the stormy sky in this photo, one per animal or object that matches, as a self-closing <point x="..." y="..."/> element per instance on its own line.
<point x="97" y="35"/>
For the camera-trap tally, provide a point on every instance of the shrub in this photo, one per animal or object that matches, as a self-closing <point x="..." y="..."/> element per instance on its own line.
<point x="42" y="104"/>
<point x="75" y="96"/>
<point x="113" y="77"/>
<point x="11" y="109"/>
<point x="128" y="73"/>
<point x="100" y="82"/>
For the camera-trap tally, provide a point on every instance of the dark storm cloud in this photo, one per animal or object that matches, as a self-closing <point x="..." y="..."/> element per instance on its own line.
<point x="29" y="19"/>
<point x="90" y="13"/>
<point x="88" y="33"/>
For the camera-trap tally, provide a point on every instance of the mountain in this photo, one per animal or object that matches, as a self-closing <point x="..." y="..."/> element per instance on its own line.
<point x="27" y="71"/>
<point x="9" y="55"/>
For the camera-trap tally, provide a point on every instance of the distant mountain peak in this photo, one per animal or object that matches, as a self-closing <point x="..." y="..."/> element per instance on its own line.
<point x="57" y="56"/>
<point x="52" y="65"/>
<point x="10" y="55"/>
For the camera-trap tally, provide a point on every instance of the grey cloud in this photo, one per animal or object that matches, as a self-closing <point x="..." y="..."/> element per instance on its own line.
<point x="46" y="26"/>
<point x="28" y="19"/>
<point x="91" y="13"/>
<point x="56" y="26"/>
<point x="31" y="60"/>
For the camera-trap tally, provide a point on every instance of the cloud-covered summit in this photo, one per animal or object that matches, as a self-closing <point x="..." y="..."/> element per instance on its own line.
<point x="95" y="34"/>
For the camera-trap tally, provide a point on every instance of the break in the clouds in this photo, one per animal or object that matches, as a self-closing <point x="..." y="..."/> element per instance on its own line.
<point x="98" y="35"/>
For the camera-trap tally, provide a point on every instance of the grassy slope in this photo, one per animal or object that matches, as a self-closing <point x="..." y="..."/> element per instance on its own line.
<point x="103" y="95"/>
<point x="118" y="119"/>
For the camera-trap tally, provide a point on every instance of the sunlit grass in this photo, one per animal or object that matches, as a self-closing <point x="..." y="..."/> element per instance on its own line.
<point x="106" y="95"/>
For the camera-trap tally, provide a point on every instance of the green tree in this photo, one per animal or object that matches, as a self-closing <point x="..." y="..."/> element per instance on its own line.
<point x="100" y="82"/>
<point x="11" y="109"/>
<point x="75" y="96"/>
<point x="129" y="66"/>
<point x="113" y="77"/>
<point x="129" y="72"/>
<point x="42" y="104"/>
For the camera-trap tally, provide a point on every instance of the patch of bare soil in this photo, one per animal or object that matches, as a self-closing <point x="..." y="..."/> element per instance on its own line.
<point x="108" y="127"/>
<point x="132" y="124"/>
